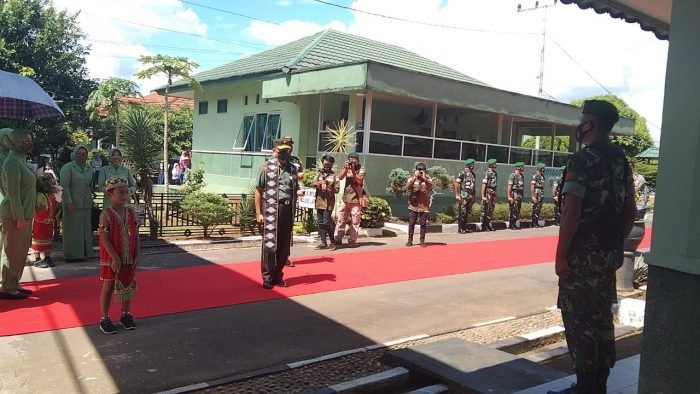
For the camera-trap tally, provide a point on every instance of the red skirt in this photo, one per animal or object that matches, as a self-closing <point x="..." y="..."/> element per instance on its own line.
<point x="42" y="230"/>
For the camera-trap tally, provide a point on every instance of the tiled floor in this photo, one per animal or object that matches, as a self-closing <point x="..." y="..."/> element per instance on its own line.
<point x="622" y="380"/>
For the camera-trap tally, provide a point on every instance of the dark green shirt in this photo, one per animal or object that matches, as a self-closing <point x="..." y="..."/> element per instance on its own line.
<point x="286" y="182"/>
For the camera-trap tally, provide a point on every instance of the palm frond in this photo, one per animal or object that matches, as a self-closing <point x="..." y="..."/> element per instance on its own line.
<point x="340" y="137"/>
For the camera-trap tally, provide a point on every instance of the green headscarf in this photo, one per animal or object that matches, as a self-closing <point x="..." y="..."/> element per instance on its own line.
<point x="111" y="152"/>
<point x="12" y="140"/>
<point x="75" y="151"/>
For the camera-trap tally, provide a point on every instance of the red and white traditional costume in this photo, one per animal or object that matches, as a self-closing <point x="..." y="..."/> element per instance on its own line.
<point x="122" y="234"/>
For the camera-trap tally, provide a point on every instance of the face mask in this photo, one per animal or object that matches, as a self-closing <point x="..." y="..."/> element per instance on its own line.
<point x="580" y="134"/>
<point x="283" y="155"/>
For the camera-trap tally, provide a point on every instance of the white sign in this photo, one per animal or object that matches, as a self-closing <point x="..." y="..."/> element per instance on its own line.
<point x="308" y="200"/>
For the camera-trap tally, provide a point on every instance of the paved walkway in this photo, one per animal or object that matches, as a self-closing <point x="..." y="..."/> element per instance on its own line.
<point x="175" y="350"/>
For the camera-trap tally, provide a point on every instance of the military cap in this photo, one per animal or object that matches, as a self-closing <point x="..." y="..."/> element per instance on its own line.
<point x="287" y="140"/>
<point x="540" y="166"/>
<point x="491" y="161"/>
<point x="468" y="162"/>
<point x="519" y="164"/>
<point x="601" y="108"/>
<point x="281" y="144"/>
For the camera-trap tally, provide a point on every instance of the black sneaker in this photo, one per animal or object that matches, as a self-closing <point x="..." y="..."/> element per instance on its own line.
<point x="41" y="264"/>
<point x="127" y="321"/>
<point x="50" y="262"/>
<point x="107" y="327"/>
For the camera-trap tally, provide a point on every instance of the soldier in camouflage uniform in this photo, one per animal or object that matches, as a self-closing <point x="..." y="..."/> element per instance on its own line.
<point x="516" y="187"/>
<point x="537" y="194"/>
<point x="596" y="218"/>
<point x="556" y="190"/>
<point x="465" y="194"/>
<point x="488" y="195"/>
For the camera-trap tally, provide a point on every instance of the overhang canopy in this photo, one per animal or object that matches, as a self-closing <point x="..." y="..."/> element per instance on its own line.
<point x="652" y="15"/>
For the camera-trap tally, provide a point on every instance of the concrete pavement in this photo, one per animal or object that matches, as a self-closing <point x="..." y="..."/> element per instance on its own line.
<point x="175" y="350"/>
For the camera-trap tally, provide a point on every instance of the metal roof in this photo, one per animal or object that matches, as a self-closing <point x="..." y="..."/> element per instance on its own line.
<point x="327" y="49"/>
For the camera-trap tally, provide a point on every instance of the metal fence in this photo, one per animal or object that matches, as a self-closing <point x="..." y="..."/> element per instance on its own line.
<point x="166" y="218"/>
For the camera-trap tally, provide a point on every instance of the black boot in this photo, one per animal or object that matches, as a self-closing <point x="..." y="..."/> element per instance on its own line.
<point x="491" y="227"/>
<point x="422" y="237"/>
<point x="484" y="226"/>
<point x="410" y="236"/>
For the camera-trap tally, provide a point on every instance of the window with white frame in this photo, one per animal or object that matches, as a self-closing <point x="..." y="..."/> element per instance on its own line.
<point x="258" y="132"/>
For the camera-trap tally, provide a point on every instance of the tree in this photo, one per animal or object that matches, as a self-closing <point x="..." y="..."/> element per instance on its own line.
<point x="107" y="95"/>
<point x="170" y="66"/>
<point x="207" y="209"/>
<point x="46" y="44"/>
<point x="141" y="146"/>
<point x="561" y="143"/>
<point x="632" y="145"/>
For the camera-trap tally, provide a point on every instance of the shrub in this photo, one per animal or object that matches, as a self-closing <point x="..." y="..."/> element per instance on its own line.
<point x="444" y="218"/>
<point x="376" y="213"/>
<point x="298" y="229"/>
<point x="441" y="179"/>
<point x="310" y="224"/>
<point x="195" y="179"/>
<point x="246" y="215"/>
<point x="398" y="177"/>
<point x="207" y="209"/>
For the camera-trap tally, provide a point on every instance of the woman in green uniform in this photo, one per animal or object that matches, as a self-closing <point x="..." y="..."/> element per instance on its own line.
<point x="115" y="168"/>
<point x="76" y="179"/>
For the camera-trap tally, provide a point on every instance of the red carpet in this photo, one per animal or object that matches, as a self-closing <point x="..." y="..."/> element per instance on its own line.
<point x="73" y="302"/>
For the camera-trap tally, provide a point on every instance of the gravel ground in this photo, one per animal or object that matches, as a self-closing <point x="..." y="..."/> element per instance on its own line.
<point x="365" y="363"/>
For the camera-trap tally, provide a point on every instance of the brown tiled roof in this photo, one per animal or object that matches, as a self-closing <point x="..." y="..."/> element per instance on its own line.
<point x="153" y="99"/>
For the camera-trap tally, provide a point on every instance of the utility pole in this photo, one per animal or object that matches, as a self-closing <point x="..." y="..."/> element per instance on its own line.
<point x="544" y="36"/>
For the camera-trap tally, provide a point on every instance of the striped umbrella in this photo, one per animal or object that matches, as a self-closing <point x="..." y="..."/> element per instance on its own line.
<point x="22" y="98"/>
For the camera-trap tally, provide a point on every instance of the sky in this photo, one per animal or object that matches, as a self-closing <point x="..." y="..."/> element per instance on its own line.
<point x="585" y="54"/>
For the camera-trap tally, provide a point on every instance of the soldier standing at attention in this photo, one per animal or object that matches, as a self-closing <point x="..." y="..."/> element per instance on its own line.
<point x="465" y="194"/>
<point x="488" y="195"/>
<point x="275" y="195"/>
<point x="516" y="188"/>
<point x="537" y="193"/>
<point x="597" y="216"/>
<point x="556" y="190"/>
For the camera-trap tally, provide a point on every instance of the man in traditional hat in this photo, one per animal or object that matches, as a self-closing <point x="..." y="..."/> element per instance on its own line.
<point x="465" y="194"/>
<point x="556" y="191"/>
<point x="488" y="195"/>
<point x="275" y="200"/>
<point x="516" y="187"/>
<point x="597" y="216"/>
<point x="294" y="160"/>
<point x="537" y="194"/>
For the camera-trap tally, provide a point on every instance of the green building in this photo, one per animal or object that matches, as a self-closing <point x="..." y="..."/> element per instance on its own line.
<point x="403" y="107"/>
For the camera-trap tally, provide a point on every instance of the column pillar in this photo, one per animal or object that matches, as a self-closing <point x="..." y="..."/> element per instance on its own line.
<point x="671" y="339"/>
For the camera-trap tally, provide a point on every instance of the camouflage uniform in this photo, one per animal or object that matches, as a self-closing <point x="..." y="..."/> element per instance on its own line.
<point x="517" y="183"/>
<point x="557" y="202"/>
<point x="538" y="182"/>
<point x="599" y="174"/>
<point x="491" y="181"/>
<point x="467" y="191"/>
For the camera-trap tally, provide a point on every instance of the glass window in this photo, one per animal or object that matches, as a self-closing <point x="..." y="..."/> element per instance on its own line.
<point x="447" y="149"/>
<point x="222" y="106"/>
<point x="420" y="147"/>
<point x="359" y="141"/>
<point x="387" y="144"/>
<point x="473" y="151"/>
<point x="399" y="117"/>
<point x="203" y="107"/>
<point x="520" y="154"/>
<point x="500" y="153"/>
<point x="543" y="156"/>
<point x="561" y="159"/>
<point x="257" y="132"/>
<point x="323" y="144"/>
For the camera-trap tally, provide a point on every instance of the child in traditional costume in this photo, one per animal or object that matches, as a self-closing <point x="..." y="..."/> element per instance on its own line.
<point x="119" y="254"/>
<point x="48" y="197"/>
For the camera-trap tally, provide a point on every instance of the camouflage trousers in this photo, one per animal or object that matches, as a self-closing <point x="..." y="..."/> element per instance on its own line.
<point x="465" y="208"/>
<point x="585" y="300"/>
<point x="537" y="207"/>
<point x="514" y="213"/>
<point x="488" y="206"/>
